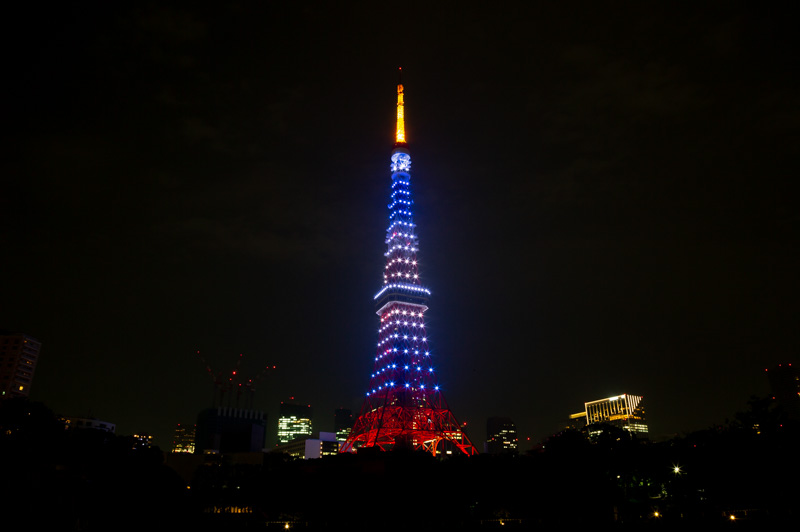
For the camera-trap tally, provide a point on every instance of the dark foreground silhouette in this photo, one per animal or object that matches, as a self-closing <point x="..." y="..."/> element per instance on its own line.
<point x="739" y="475"/>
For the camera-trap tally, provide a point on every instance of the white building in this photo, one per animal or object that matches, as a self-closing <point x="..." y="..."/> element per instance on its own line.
<point x="306" y="448"/>
<point x="624" y="411"/>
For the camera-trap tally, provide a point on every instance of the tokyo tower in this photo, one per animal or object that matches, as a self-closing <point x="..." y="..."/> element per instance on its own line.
<point x="404" y="407"/>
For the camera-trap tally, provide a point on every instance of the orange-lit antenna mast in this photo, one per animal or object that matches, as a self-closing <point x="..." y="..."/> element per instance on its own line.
<point x="400" y="135"/>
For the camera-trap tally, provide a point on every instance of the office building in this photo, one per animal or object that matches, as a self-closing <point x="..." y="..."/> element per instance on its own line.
<point x="501" y="436"/>
<point x="622" y="411"/>
<point x="142" y="441"/>
<point x="311" y="446"/>
<point x="294" y="421"/>
<point x="18" y="356"/>
<point x="342" y="423"/>
<point x="183" y="440"/>
<point x="230" y="430"/>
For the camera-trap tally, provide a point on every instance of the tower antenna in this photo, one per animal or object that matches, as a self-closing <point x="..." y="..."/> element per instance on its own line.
<point x="400" y="131"/>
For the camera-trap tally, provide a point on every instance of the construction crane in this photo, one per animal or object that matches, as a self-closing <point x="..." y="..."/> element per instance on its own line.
<point x="232" y="385"/>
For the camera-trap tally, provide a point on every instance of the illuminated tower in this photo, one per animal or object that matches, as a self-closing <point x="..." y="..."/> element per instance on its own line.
<point x="404" y="408"/>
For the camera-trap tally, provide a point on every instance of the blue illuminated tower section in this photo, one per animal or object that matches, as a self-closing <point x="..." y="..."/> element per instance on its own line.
<point x="404" y="407"/>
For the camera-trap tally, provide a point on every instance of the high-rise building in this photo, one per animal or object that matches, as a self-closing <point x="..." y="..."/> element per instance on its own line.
<point x="342" y="423"/>
<point x="501" y="436"/>
<point x="294" y="421"/>
<point x="18" y="356"/>
<point x="183" y="441"/>
<point x="404" y="407"/>
<point x="224" y="429"/>
<point x="622" y="411"/>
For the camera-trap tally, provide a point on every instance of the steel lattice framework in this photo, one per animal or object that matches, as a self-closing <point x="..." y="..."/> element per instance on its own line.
<point x="404" y="407"/>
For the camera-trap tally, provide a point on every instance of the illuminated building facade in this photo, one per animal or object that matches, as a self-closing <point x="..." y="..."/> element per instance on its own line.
<point x="622" y="411"/>
<point x="404" y="407"/>
<point x="142" y="441"/>
<point x="501" y="436"/>
<point x="294" y="421"/>
<point x="18" y="356"/>
<point x="310" y="447"/>
<point x="183" y="441"/>
<point x="342" y="423"/>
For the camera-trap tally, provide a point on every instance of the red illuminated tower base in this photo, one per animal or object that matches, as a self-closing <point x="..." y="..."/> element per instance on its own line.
<point x="404" y="408"/>
<point x="432" y="428"/>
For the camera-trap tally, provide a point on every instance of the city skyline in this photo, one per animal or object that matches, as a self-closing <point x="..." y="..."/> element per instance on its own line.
<point x="608" y="205"/>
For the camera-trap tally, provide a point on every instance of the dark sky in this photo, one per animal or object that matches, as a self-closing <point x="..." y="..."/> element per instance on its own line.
<point x="604" y="198"/>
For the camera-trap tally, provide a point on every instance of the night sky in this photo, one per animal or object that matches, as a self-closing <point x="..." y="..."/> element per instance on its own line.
<point x="604" y="196"/>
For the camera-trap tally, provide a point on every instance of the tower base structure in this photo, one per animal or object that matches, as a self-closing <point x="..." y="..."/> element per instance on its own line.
<point x="432" y="429"/>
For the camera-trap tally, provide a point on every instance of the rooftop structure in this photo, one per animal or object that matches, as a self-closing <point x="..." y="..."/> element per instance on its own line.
<point x="77" y="423"/>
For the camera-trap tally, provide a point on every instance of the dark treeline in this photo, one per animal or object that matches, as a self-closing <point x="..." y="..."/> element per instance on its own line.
<point x="78" y="479"/>
<point x="90" y="480"/>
